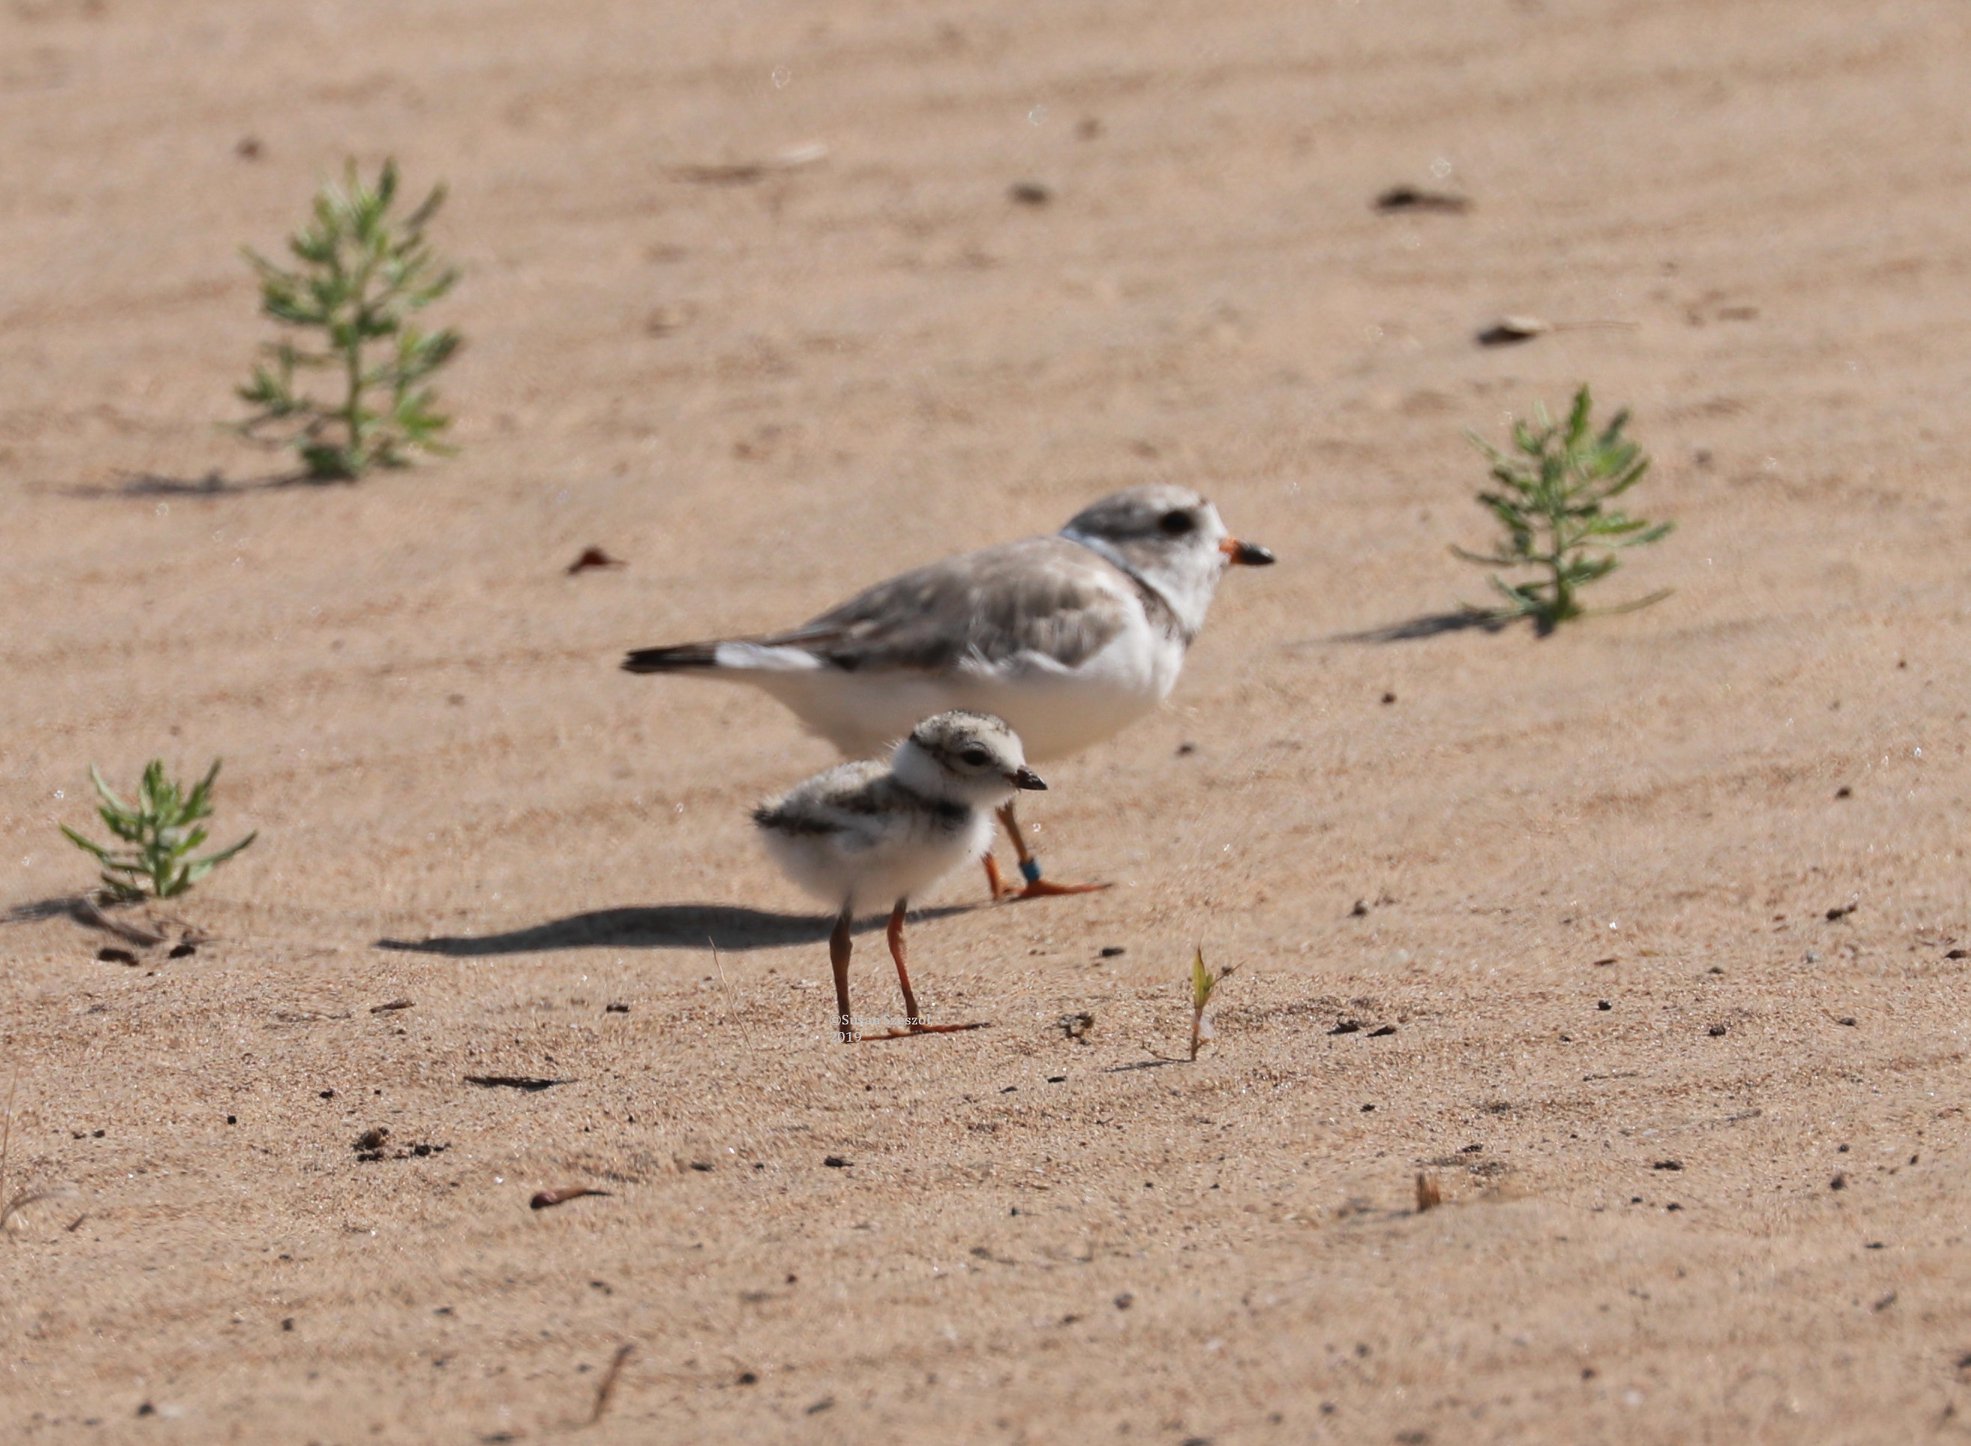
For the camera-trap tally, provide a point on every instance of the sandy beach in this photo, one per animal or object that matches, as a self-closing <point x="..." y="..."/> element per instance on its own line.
<point x="1643" y="943"/>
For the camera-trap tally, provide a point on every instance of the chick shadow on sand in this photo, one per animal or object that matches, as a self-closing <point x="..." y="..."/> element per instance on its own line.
<point x="659" y="926"/>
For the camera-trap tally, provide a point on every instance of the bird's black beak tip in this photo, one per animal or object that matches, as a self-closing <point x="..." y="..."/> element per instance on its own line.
<point x="1027" y="778"/>
<point x="1251" y="554"/>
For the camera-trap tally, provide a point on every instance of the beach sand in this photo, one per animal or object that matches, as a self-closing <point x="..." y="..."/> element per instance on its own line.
<point x="1645" y="931"/>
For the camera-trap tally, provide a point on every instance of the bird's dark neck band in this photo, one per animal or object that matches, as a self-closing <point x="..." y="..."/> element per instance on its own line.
<point x="1162" y="611"/>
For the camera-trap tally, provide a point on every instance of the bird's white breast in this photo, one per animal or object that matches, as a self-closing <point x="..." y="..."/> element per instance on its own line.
<point x="1056" y="710"/>
<point x="895" y="856"/>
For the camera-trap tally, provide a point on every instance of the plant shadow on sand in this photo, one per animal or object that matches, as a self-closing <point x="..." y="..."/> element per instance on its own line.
<point x="39" y="909"/>
<point x="1430" y="625"/>
<point x="212" y="484"/>
<point x="660" y="926"/>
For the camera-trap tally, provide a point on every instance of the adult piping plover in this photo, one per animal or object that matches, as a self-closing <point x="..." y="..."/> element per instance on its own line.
<point x="875" y="833"/>
<point x="1069" y="637"/>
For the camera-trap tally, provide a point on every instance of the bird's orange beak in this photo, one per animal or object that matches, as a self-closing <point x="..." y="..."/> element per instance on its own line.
<point x="1245" y="554"/>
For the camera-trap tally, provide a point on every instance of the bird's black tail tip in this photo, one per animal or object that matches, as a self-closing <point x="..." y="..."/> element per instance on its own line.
<point x="666" y="660"/>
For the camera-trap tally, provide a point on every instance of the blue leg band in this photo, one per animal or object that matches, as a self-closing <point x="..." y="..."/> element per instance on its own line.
<point x="1030" y="870"/>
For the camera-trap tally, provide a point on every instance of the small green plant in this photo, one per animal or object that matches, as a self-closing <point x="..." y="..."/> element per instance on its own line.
<point x="362" y="276"/>
<point x="1203" y="984"/>
<point x="1552" y="499"/>
<point x="161" y="831"/>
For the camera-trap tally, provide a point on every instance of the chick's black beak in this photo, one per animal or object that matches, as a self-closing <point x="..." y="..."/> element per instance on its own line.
<point x="1025" y="778"/>
<point x="1246" y="554"/>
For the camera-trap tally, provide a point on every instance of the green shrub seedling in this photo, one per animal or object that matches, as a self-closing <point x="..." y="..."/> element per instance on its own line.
<point x="160" y="832"/>
<point x="361" y="277"/>
<point x="1552" y="496"/>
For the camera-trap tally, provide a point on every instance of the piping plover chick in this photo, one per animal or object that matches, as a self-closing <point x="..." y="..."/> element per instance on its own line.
<point x="1069" y="638"/>
<point x="874" y="833"/>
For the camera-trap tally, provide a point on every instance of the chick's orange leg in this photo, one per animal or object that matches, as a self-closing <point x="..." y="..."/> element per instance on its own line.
<point x="913" y="1021"/>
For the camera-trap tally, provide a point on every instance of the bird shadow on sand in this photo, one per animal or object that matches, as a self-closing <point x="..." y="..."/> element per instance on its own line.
<point x="659" y="926"/>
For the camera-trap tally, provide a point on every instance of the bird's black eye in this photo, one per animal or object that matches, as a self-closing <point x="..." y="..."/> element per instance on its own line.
<point x="977" y="757"/>
<point x="1176" y="524"/>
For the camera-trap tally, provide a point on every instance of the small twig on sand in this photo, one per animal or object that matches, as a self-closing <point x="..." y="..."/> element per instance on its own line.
<point x="741" y="173"/>
<point x="1429" y="1197"/>
<point x="12" y="1206"/>
<point x="731" y="1005"/>
<point x="7" y="1138"/>
<point x="545" y="1198"/>
<point x="606" y="1387"/>
<point x="20" y="1202"/>
<point x="528" y="1083"/>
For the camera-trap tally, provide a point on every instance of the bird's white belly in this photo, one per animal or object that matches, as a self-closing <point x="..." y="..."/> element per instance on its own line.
<point x="1056" y="711"/>
<point x="876" y="876"/>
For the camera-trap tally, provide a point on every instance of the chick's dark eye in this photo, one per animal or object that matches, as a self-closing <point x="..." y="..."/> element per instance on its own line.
<point x="977" y="757"/>
<point x="1176" y="524"/>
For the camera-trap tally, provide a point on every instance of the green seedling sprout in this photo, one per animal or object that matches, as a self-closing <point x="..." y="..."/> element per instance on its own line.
<point x="361" y="277"/>
<point x="161" y="831"/>
<point x="1203" y="984"/>
<point x="1552" y="499"/>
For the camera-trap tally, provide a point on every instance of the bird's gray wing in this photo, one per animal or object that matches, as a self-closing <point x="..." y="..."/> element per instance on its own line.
<point x="840" y="802"/>
<point x="1044" y="597"/>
